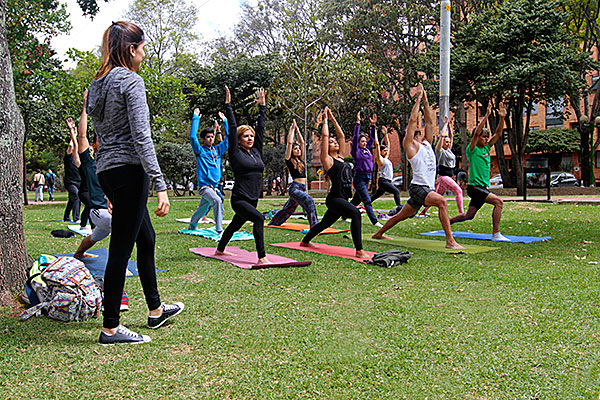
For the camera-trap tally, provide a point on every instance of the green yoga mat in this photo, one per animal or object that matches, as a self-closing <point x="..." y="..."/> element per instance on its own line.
<point x="427" y="244"/>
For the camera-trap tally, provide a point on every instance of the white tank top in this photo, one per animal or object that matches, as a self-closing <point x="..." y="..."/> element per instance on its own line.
<point x="387" y="169"/>
<point x="424" y="165"/>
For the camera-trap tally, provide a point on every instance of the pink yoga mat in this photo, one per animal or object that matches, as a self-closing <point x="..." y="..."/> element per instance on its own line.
<point x="247" y="260"/>
<point x="322" y="248"/>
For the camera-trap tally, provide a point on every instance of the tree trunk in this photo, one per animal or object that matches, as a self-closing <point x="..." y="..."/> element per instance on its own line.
<point x="584" y="135"/>
<point x="14" y="258"/>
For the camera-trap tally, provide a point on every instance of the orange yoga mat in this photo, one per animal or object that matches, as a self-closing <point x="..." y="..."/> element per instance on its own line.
<point x="293" y="226"/>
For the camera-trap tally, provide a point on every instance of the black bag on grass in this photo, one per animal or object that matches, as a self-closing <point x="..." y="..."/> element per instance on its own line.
<point x="390" y="258"/>
<point x="61" y="233"/>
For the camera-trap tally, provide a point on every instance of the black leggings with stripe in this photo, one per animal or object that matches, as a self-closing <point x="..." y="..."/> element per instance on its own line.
<point x="338" y="207"/>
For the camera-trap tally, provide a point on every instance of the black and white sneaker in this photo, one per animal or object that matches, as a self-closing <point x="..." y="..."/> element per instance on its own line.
<point x="123" y="335"/>
<point x="169" y="310"/>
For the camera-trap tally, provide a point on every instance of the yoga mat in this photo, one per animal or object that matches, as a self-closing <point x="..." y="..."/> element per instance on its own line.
<point x="321" y="248"/>
<point x="488" y="236"/>
<point x="293" y="226"/>
<point x="212" y="234"/>
<point x="247" y="260"/>
<point x="426" y="244"/>
<point x="97" y="266"/>
<point x="82" y="231"/>
<point x="210" y="221"/>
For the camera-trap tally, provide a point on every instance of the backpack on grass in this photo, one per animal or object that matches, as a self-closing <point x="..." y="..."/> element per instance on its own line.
<point x="71" y="292"/>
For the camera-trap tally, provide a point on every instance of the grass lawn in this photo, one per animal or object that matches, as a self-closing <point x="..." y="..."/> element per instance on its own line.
<point x="520" y="322"/>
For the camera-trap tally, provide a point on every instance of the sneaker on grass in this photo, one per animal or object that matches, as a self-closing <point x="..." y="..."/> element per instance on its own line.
<point x="123" y="335"/>
<point x="169" y="310"/>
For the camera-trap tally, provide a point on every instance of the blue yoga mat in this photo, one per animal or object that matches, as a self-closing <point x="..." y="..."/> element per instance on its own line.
<point x="82" y="231"/>
<point x="97" y="266"/>
<point x="488" y="236"/>
<point x="212" y="234"/>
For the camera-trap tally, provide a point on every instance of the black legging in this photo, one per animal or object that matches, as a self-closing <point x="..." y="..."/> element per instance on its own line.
<point x="127" y="189"/>
<point x="338" y="207"/>
<point x="245" y="210"/>
<point x="73" y="204"/>
<point x="85" y="213"/>
<point x="383" y="186"/>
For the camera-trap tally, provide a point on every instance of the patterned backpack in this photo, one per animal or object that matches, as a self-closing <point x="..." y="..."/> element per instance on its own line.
<point x="72" y="294"/>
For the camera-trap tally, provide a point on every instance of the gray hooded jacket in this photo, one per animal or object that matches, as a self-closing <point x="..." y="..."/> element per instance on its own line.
<point x="117" y="104"/>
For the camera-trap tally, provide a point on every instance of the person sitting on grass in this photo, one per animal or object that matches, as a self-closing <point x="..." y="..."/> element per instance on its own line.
<point x="340" y="174"/>
<point x="478" y="154"/>
<point x="208" y="170"/>
<point x="421" y="156"/>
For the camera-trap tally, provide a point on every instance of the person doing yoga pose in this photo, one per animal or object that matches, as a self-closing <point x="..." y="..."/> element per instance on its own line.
<point x="363" y="166"/>
<point x="421" y="156"/>
<point x="340" y="174"/>
<point x="245" y="157"/>
<point x="208" y="170"/>
<point x="478" y="154"/>
<point x="446" y="166"/>
<point x="386" y="169"/>
<point x="294" y="156"/>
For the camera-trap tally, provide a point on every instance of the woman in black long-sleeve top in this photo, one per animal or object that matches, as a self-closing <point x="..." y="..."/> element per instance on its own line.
<point x="245" y="158"/>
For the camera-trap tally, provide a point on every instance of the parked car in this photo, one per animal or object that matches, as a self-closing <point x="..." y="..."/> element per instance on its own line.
<point x="228" y="185"/>
<point x="496" y="182"/>
<point x="398" y="181"/>
<point x="563" y="179"/>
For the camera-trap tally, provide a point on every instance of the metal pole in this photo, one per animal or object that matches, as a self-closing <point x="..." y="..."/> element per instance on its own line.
<point x="444" y="61"/>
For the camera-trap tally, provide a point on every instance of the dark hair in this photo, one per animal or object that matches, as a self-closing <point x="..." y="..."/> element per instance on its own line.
<point x="383" y="147"/>
<point x="298" y="163"/>
<point x="206" y="132"/>
<point x="116" y="42"/>
<point x="363" y="135"/>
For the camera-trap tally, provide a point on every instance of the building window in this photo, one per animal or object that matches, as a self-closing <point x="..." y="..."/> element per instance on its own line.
<point x="554" y="113"/>
<point x="597" y="161"/>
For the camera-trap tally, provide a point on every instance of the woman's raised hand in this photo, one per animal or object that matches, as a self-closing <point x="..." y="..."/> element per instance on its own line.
<point x="70" y="123"/>
<point x="373" y="119"/>
<point x="358" y="118"/>
<point x="227" y="95"/>
<point x="260" y="96"/>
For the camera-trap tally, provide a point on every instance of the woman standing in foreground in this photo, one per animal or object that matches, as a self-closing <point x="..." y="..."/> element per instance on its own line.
<point x="245" y="157"/>
<point x="126" y="162"/>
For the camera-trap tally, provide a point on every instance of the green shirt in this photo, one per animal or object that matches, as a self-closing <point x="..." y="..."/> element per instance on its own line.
<point x="479" y="165"/>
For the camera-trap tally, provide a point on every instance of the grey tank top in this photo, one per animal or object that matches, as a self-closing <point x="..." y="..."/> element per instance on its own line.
<point x="387" y="169"/>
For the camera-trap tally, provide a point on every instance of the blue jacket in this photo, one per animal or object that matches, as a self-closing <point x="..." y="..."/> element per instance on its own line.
<point x="208" y="159"/>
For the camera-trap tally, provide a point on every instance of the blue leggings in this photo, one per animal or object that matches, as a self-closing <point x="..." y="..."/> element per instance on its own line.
<point x="298" y="196"/>
<point x="361" y="185"/>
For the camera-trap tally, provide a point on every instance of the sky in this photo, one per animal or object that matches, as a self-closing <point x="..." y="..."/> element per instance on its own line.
<point x="216" y="18"/>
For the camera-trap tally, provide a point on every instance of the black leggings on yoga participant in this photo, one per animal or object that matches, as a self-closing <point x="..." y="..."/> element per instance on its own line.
<point x="245" y="210"/>
<point x="127" y="189"/>
<point x="383" y="186"/>
<point x="338" y="207"/>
